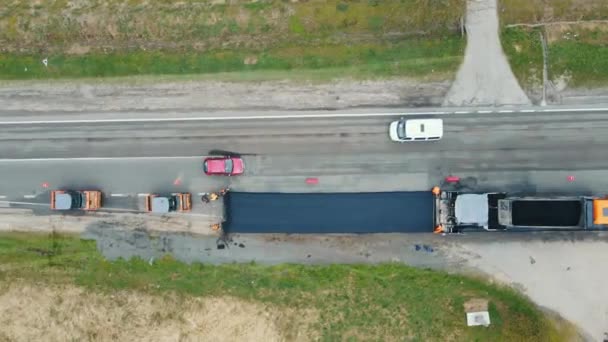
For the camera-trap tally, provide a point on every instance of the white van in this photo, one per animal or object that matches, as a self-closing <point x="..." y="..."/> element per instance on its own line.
<point x="416" y="130"/>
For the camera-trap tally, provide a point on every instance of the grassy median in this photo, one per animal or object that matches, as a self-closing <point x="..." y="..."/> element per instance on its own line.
<point x="361" y="39"/>
<point x="337" y="302"/>
<point x="576" y="34"/>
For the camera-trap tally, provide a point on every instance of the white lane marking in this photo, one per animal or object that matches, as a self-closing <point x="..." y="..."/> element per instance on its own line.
<point x="220" y="118"/>
<point x="575" y="110"/>
<point x="119" y="195"/>
<point x="142" y="195"/>
<point x="418" y="113"/>
<point x="201" y="193"/>
<point x="26" y="203"/>
<point x="99" y="158"/>
<point x="290" y="116"/>
<point x="101" y="210"/>
<point x="2" y="196"/>
<point x="29" y="196"/>
<point x="484" y="111"/>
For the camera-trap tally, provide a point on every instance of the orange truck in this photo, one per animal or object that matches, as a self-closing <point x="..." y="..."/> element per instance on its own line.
<point x="75" y="200"/>
<point x="163" y="204"/>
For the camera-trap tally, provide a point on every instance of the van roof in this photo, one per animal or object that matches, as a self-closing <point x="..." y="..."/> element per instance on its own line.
<point x="424" y="128"/>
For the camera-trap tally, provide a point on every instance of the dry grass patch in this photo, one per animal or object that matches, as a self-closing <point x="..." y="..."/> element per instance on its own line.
<point x="58" y="25"/>
<point x="577" y="36"/>
<point x="539" y="11"/>
<point x="70" y="313"/>
<point x="94" y="38"/>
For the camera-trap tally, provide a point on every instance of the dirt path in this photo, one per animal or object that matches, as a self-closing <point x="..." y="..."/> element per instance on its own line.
<point x="485" y="77"/>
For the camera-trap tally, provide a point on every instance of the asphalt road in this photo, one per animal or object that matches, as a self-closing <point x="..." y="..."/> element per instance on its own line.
<point x="527" y="151"/>
<point x="507" y="140"/>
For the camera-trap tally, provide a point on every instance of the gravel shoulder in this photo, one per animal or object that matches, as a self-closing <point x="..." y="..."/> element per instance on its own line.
<point x="211" y="95"/>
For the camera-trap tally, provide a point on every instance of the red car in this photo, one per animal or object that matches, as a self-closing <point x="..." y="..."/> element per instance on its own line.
<point x="223" y="166"/>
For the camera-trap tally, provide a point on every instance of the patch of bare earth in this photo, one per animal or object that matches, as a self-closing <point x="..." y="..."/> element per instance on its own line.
<point x="569" y="31"/>
<point x="212" y="95"/>
<point x="69" y="313"/>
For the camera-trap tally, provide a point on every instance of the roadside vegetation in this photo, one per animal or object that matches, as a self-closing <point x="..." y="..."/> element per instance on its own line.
<point x="51" y="278"/>
<point x="351" y="38"/>
<point x="576" y="32"/>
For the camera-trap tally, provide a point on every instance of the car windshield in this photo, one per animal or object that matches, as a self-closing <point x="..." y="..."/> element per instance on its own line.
<point x="229" y="165"/>
<point x="401" y="129"/>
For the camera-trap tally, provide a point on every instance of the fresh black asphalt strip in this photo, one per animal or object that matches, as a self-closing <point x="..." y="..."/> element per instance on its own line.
<point x="307" y="213"/>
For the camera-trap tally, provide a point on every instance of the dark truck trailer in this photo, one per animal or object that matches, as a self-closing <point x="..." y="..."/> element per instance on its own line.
<point x="554" y="213"/>
<point x="301" y="213"/>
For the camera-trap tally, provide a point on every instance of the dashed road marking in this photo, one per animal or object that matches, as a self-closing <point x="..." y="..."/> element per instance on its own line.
<point x="119" y="195"/>
<point x="287" y="116"/>
<point x="2" y="196"/>
<point x="561" y="110"/>
<point x="119" y="209"/>
<point x="29" y="196"/>
<point x="142" y="195"/>
<point x="94" y="159"/>
<point x="26" y="203"/>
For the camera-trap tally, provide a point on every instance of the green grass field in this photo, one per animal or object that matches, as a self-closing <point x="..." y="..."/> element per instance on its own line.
<point x="384" y="302"/>
<point x="415" y="58"/>
<point x="94" y="38"/>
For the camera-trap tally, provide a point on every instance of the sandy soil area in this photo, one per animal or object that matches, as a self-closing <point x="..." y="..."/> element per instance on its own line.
<point x="68" y="313"/>
<point x="212" y="95"/>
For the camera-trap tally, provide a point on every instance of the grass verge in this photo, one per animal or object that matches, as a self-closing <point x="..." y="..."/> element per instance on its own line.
<point x="355" y="302"/>
<point x="95" y="38"/>
<point x="524" y="52"/>
<point x="415" y="58"/>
